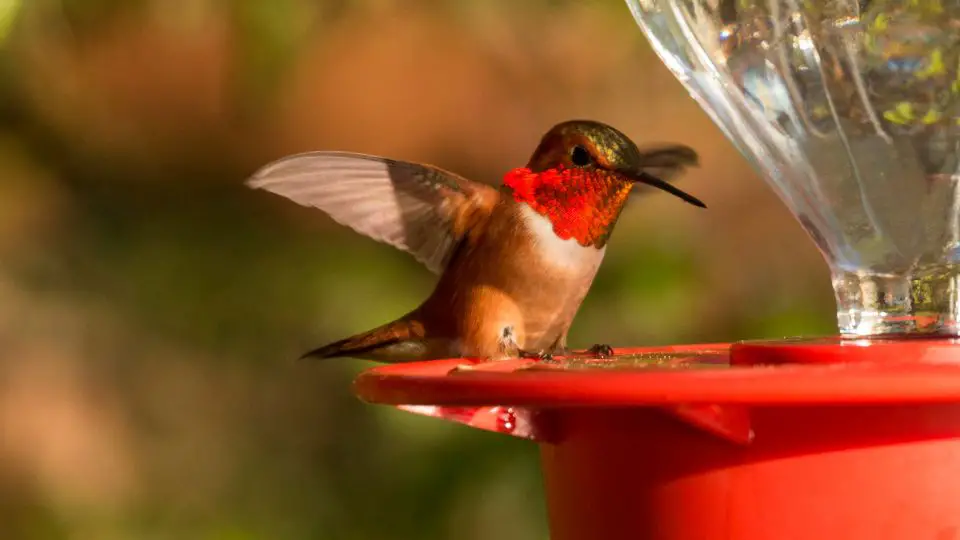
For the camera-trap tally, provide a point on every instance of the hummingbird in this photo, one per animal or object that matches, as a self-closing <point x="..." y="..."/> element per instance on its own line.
<point x="514" y="261"/>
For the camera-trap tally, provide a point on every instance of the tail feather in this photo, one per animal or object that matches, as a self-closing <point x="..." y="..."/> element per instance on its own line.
<point x="395" y="341"/>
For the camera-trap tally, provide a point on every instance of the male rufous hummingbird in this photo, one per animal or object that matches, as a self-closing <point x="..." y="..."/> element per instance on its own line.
<point x="515" y="262"/>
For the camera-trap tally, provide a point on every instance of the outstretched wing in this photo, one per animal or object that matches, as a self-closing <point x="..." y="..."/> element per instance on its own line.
<point x="419" y="209"/>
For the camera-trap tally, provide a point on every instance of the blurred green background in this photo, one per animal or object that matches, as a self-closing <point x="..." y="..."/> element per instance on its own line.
<point x="150" y="305"/>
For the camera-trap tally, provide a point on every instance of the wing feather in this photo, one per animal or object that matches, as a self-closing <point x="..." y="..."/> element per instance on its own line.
<point x="415" y="208"/>
<point x="667" y="162"/>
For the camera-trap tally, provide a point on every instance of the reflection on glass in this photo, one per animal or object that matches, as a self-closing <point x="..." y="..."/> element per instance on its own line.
<point x="851" y="110"/>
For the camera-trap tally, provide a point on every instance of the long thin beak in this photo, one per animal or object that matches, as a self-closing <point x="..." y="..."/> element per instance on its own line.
<point x="650" y="180"/>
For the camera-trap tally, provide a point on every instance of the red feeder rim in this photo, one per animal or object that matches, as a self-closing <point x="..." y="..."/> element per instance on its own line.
<point x="710" y="385"/>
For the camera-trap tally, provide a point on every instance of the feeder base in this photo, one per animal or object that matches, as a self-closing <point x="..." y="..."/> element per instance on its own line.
<point x="785" y="440"/>
<point x="851" y="472"/>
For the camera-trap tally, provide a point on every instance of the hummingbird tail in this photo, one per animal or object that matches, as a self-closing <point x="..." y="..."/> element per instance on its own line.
<point x="397" y="341"/>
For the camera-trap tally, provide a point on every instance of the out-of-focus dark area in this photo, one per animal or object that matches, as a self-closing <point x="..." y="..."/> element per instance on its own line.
<point x="151" y="306"/>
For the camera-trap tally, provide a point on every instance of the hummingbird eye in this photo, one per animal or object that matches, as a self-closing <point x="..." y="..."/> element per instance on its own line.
<point x="579" y="156"/>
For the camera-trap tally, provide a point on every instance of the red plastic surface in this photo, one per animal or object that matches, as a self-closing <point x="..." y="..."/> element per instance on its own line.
<point x="904" y="372"/>
<point x="847" y="439"/>
<point x="837" y="350"/>
<point x="729" y="422"/>
<point x="812" y="473"/>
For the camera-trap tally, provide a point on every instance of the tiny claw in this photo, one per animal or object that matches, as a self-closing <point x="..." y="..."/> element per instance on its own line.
<point x="460" y="368"/>
<point x="601" y="350"/>
<point x="541" y="355"/>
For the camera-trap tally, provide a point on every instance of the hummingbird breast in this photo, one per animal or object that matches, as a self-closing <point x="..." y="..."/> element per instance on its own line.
<point x="517" y="284"/>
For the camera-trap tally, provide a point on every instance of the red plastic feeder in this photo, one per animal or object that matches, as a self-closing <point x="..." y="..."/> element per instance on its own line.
<point x="861" y="441"/>
<point x="850" y="110"/>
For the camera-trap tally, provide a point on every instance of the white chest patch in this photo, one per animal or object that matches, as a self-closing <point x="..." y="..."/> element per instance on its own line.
<point x="559" y="253"/>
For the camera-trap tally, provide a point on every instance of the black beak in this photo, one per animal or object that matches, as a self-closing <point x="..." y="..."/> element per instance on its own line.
<point x="650" y="180"/>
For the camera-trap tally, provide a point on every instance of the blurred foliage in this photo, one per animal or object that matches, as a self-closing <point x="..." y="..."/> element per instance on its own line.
<point x="150" y="304"/>
<point x="8" y="14"/>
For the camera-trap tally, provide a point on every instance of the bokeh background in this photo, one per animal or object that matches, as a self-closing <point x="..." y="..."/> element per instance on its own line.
<point x="150" y="305"/>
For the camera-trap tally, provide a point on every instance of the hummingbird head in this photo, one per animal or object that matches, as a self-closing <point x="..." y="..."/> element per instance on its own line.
<point x="582" y="172"/>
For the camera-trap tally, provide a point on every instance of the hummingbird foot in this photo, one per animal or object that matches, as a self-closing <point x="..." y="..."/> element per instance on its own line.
<point x="540" y="355"/>
<point x="601" y="350"/>
<point x="460" y="368"/>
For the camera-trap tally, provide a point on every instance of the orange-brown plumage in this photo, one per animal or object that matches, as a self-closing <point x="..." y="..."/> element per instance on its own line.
<point x="515" y="263"/>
